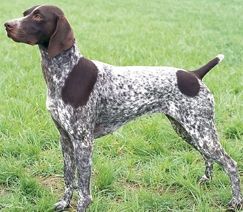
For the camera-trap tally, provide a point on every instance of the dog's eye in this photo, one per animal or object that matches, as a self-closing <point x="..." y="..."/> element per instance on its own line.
<point x="37" y="17"/>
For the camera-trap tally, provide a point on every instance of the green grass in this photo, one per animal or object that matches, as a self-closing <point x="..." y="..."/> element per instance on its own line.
<point x="144" y="166"/>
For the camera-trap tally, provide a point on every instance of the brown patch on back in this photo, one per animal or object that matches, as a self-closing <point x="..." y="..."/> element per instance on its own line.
<point x="188" y="83"/>
<point x="80" y="83"/>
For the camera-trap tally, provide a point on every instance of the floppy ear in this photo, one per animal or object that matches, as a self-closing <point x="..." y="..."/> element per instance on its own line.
<point x="27" y="12"/>
<point x="62" y="39"/>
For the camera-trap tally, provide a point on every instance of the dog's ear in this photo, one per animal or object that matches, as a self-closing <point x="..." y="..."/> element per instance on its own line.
<point x="27" y="12"/>
<point x="62" y="39"/>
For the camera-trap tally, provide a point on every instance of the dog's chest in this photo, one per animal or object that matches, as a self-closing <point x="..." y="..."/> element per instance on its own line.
<point x="55" y="81"/>
<point x="55" y="71"/>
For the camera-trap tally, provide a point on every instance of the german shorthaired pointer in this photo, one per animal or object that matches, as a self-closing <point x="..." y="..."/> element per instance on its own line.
<point x="89" y="99"/>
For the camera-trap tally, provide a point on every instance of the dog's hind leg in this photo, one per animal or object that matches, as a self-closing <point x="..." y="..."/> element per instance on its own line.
<point x="202" y="135"/>
<point x="69" y="169"/>
<point x="180" y="130"/>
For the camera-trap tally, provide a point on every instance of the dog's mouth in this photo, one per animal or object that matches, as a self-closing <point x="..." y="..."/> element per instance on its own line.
<point x="10" y="34"/>
<point x="32" y="43"/>
<point x="19" y="37"/>
<point x="13" y="35"/>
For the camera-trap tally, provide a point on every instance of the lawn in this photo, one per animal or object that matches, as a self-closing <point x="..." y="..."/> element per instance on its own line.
<point x="144" y="166"/>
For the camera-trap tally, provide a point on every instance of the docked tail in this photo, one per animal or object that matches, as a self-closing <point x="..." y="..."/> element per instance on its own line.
<point x="201" y="72"/>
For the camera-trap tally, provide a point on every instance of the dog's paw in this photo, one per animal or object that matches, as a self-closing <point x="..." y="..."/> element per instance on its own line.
<point x="203" y="179"/>
<point x="84" y="202"/>
<point x="235" y="204"/>
<point x="60" y="206"/>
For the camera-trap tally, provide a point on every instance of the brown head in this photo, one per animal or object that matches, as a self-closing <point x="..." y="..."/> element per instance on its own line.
<point x="44" y="25"/>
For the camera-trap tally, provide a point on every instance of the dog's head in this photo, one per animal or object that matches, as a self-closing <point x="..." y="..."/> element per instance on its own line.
<point x="44" y="25"/>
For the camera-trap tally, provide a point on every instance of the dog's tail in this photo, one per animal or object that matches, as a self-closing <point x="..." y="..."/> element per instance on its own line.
<point x="201" y="72"/>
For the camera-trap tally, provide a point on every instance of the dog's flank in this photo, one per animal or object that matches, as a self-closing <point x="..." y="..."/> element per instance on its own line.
<point x="88" y="99"/>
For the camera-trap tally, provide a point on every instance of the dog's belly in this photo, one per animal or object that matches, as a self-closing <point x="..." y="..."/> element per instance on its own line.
<point x="113" y="119"/>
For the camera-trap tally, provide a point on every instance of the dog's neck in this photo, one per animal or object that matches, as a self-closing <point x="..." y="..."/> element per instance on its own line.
<point x="56" y="69"/>
<point x="68" y="58"/>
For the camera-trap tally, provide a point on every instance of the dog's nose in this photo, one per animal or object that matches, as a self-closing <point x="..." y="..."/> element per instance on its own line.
<point x="10" y="25"/>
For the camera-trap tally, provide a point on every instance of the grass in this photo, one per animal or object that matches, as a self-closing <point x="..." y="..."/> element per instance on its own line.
<point x="144" y="166"/>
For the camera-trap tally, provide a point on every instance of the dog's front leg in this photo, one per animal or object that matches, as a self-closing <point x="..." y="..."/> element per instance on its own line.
<point x="83" y="153"/>
<point x="69" y="168"/>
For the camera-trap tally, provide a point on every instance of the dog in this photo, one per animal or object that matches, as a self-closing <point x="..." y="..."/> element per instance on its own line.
<point x="89" y="99"/>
